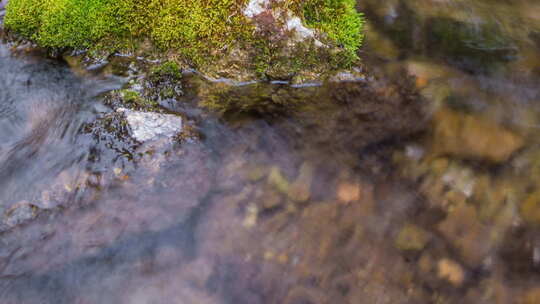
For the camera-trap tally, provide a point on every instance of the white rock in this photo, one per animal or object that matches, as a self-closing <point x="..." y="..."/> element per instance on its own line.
<point x="290" y="21"/>
<point x="147" y="125"/>
<point x="294" y="23"/>
<point x="255" y="7"/>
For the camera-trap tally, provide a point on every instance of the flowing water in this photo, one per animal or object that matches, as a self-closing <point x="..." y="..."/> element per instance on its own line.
<point x="416" y="185"/>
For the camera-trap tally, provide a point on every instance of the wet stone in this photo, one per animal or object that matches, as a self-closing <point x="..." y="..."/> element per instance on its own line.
<point x="50" y="200"/>
<point x="380" y="45"/>
<point x="414" y="152"/>
<point x="462" y="40"/>
<point x="279" y="20"/>
<point x="250" y="220"/>
<point x="271" y="199"/>
<point x="18" y="214"/>
<point x="348" y="192"/>
<point x="426" y="263"/>
<point x="474" y="36"/>
<point x="531" y="296"/>
<point x="276" y="179"/>
<point x="148" y="126"/>
<point x="465" y="232"/>
<point x="256" y="173"/>
<point x="470" y="137"/>
<point x="460" y="179"/>
<point x="451" y="271"/>
<point x="300" y="189"/>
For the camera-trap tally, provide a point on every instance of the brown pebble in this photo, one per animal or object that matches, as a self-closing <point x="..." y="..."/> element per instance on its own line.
<point x="451" y="271"/>
<point x="348" y="192"/>
<point x="421" y="82"/>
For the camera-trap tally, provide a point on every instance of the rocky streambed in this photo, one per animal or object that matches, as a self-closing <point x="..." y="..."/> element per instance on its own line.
<point x="415" y="181"/>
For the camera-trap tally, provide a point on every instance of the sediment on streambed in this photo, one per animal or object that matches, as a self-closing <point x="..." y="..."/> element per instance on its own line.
<point x="237" y="39"/>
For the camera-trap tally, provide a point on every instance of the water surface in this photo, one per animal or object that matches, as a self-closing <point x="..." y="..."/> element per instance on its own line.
<point x="418" y="185"/>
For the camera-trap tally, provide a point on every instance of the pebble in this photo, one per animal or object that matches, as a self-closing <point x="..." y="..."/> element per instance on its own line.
<point x="300" y="190"/>
<point x="451" y="271"/>
<point x="348" y="192"/>
<point x="471" y="137"/>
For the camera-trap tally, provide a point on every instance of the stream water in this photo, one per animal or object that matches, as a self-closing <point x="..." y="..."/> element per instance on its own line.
<point x="416" y="185"/>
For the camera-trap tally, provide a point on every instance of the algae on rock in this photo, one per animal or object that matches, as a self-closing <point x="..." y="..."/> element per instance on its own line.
<point x="208" y="35"/>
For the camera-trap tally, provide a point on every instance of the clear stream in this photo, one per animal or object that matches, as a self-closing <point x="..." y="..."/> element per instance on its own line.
<point x="417" y="185"/>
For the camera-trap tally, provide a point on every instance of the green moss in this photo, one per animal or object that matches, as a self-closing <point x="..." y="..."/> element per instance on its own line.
<point x="195" y="31"/>
<point x="131" y="96"/>
<point x="23" y="17"/>
<point x="170" y="70"/>
<point x="339" y="20"/>
<point x="67" y="23"/>
<point x="167" y="93"/>
<point x="136" y="100"/>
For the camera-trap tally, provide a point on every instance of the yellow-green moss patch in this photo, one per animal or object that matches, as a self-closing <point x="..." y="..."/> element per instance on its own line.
<point x="197" y="32"/>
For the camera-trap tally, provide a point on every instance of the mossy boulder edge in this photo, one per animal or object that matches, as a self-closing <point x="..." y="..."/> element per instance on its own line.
<point x="237" y="39"/>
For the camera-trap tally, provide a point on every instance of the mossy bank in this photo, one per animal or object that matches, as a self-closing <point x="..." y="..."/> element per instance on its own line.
<point x="240" y="39"/>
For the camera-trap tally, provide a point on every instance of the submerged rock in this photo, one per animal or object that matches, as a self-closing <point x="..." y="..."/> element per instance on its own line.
<point x="276" y="179"/>
<point x="531" y="296"/>
<point x="467" y="234"/>
<point x="451" y="271"/>
<point x="530" y="208"/>
<point x="349" y="191"/>
<point x="473" y="35"/>
<point x="147" y="126"/>
<point x="18" y="214"/>
<point x="411" y="238"/>
<point x="470" y="137"/>
<point x="300" y="189"/>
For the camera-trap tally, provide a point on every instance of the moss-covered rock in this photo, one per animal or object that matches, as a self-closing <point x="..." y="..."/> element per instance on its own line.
<point x="275" y="39"/>
<point x="168" y="71"/>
